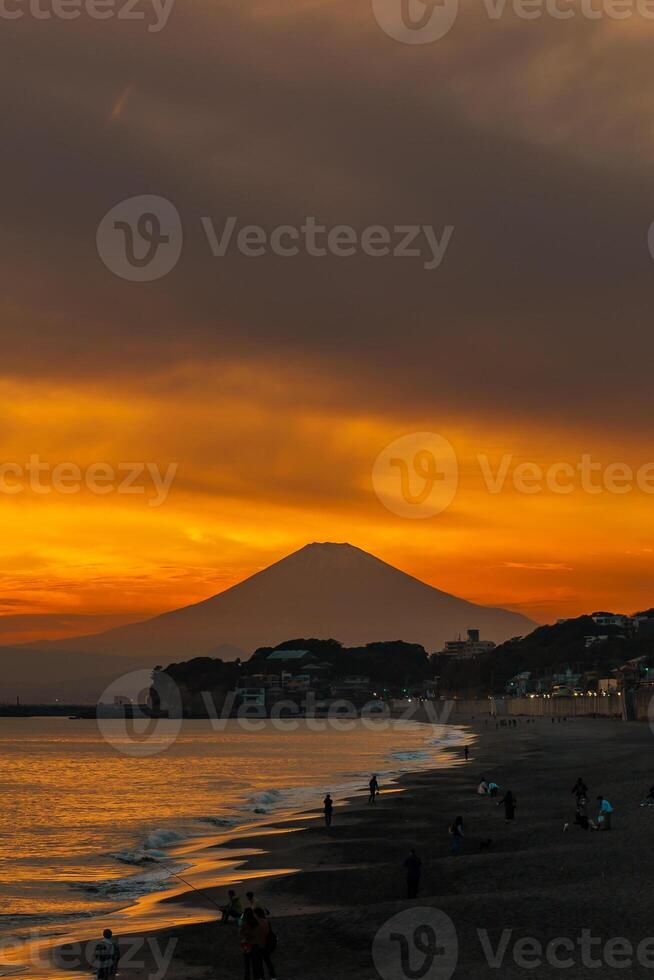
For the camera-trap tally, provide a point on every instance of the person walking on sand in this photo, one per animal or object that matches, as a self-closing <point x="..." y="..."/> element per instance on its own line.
<point x="106" y="956"/>
<point x="251" y="938"/>
<point x="580" y="789"/>
<point x="269" y="942"/>
<point x="233" y="909"/>
<point x="456" y="831"/>
<point x="373" y="785"/>
<point x="413" y="866"/>
<point x="466" y="753"/>
<point x="604" y="813"/>
<point x="328" y="807"/>
<point x="509" y="802"/>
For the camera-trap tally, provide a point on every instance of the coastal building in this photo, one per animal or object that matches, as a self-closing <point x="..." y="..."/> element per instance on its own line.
<point x="296" y="682"/>
<point x="357" y="689"/>
<point x="637" y="672"/>
<point x="592" y="640"/>
<point x="262" y="680"/>
<point x="525" y="684"/>
<point x="290" y="659"/>
<point x="251" y="696"/>
<point x="613" y="619"/>
<point x="466" y="649"/>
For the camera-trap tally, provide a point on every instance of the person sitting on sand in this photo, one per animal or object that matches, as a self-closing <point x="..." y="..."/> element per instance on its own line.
<point x="269" y="942"/>
<point x="252" y="943"/>
<point x="493" y="789"/>
<point x="374" y="790"/>
<point x="233" y="909"/>
<point x="456" y="831"/>
<point x="482" y="789"/>
<point x="581" y="816"/>
<point x="509" y="802"/>
<point x="604" y="813"/>
<point x="328" y="805"/>
<point x="413" y="866"/>
<point x="580" y="789"/>
<point x="106" y="957"/>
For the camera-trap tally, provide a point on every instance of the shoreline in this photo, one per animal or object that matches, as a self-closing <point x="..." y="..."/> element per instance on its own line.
<point x="210" y="863"/>
<point x="535" y="882"/>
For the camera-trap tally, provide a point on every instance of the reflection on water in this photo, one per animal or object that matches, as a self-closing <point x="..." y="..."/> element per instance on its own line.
<point x="91" y="831"/>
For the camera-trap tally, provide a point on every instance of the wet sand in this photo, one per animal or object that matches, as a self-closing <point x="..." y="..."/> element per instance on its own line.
<point x="535" y="882"/>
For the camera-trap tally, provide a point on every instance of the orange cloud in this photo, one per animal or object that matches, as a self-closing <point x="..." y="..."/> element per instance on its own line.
<point x="260" y="476"/>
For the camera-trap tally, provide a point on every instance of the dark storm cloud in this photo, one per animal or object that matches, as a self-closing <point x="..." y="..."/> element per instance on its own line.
<point x="528" y="138"/>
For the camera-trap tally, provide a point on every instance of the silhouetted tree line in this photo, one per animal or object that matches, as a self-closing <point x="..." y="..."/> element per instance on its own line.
<point x="395" y="665"/>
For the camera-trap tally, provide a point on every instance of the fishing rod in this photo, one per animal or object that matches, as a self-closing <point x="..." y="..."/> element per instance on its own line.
<point x="184" y="881"/>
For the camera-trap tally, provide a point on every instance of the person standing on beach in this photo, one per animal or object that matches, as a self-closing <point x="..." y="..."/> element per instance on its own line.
<point x="255" y="904"/>
<point x="509" y="802"/>
<point x="413" y="866"/>
<point x="466" y="753"/>
<point x="456" y="831"/>
<point x="106" y="957"/>
<point x="328" y="806"/>
<point x="252" y="941"/>
<point x="269" y="942"/>
<point x="580" y="789"/>
<point x="374" y="790"/>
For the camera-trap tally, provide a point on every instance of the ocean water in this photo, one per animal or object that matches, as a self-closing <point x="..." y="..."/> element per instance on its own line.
<point x="86" y="829"/>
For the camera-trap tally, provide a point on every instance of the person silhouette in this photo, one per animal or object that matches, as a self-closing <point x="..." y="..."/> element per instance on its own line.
<point x="328" y="805"/>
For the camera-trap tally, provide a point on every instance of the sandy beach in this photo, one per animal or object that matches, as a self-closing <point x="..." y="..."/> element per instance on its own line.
<point x="536" y="884"/>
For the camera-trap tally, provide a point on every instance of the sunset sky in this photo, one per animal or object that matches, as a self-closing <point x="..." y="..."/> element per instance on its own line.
<point x="274" y="383"/>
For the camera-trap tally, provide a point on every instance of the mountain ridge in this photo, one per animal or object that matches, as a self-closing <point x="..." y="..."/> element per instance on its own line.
<point x="323" y="589"/>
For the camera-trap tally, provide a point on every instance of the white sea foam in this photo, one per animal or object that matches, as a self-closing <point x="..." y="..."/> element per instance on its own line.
<point x="163" y="838"/>
<point x="221" y="821"/>
<point x="419" y="755"/>
<point x="139" y="856"/>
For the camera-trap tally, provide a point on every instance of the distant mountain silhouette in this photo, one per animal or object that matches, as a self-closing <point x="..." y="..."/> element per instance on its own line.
<point x="323" y="590"/>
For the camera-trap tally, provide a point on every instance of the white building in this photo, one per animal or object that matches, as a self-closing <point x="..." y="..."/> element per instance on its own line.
<point x="614" y="619"/>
